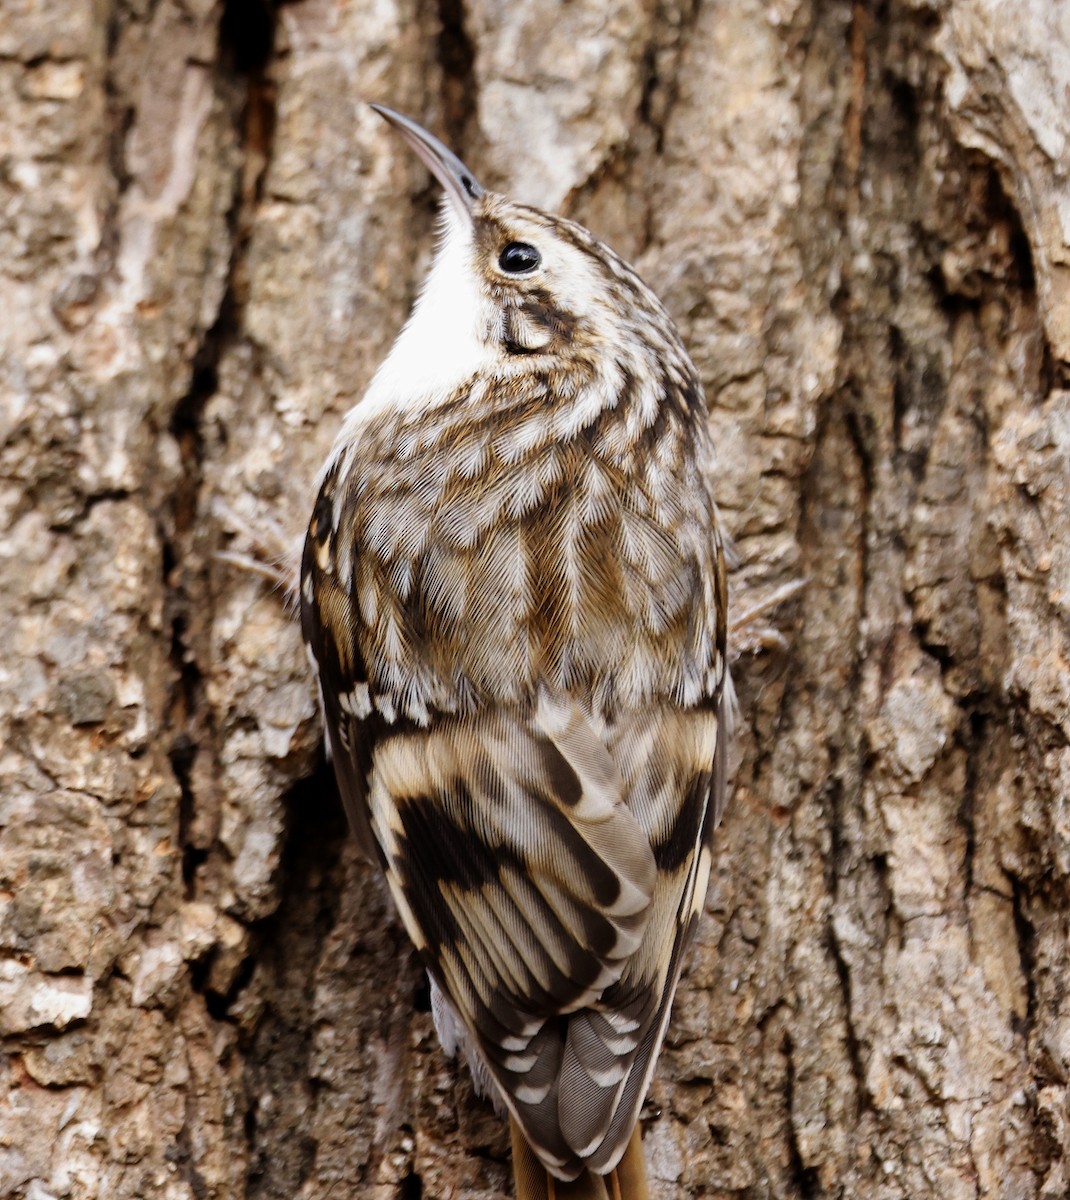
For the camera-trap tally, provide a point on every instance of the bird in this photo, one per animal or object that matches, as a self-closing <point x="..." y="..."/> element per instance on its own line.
<point x="513" y="593"/>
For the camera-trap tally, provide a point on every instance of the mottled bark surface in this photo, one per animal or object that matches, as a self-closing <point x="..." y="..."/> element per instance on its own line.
<point x="859" y="213"/>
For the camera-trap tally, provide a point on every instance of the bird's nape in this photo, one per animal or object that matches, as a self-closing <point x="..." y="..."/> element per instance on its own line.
<point x="627" y="1181"/>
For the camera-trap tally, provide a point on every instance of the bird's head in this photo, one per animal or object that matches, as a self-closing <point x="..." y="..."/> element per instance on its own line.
<point x="510" y="282"/>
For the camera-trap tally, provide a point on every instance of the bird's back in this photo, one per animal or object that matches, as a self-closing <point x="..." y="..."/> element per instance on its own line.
<point x="534" y="650"/>
<point x="487" y="554"/>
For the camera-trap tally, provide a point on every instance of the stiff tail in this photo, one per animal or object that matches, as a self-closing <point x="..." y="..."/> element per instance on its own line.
<point x="533" y="1182"/>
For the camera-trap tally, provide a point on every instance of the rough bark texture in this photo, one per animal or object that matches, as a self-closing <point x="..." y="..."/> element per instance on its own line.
<point x="859" y="213"/>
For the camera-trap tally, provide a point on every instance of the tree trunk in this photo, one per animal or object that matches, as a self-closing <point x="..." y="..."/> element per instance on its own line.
<point x="859" y="213"/>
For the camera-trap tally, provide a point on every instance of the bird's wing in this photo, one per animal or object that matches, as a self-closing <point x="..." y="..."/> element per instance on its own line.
<point x="551" y="885"/>
<point x="523" y="877"/>
<point x="670" y="759"/>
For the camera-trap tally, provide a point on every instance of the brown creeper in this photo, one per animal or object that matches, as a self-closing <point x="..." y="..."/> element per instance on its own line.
<point x="513" y="589"/>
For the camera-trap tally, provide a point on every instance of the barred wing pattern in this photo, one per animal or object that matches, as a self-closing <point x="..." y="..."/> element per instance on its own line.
<point x="523" y="674"/>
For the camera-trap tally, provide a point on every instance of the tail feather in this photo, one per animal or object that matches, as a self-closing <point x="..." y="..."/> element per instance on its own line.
<point x="627" y="1181"/>
<point x="631" y="1171"/>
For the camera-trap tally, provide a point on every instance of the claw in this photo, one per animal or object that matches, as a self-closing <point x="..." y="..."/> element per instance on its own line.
<point x="747" y="636"/>
<point x="274" y="555"/>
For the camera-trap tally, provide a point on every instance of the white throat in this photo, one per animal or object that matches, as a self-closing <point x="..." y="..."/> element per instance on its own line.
<point x="440" y="346"/>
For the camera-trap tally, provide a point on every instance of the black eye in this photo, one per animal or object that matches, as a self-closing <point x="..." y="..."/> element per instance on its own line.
<point x="518" y="257"/>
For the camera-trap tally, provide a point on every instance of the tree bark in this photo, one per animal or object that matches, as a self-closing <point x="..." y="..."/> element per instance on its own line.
<point x="859" y="213"/>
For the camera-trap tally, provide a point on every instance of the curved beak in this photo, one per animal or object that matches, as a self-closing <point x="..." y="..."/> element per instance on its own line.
<point x="459" y="183"/>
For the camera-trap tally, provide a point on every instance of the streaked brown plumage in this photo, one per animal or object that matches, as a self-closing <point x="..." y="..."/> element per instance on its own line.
<point x="513" y="589"/>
